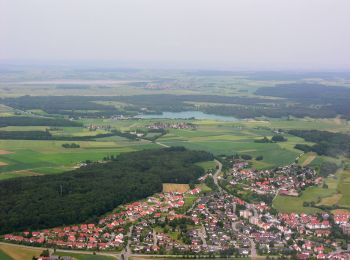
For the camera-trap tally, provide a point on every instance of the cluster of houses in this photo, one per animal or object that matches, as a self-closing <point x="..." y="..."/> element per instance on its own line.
<point x="216" y="213"/>
<point x="288" y="180"/>
<point x="178" y="125"/>
<point x="93" y="127"/>
<point x="85" y="236"/>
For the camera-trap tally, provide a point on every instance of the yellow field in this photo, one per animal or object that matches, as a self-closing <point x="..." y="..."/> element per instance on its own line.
<point x="309" y="159"/>
<point x="329" y="201"/>
<point x="340" y="211"/>
<point x="20" y="252"/>
<point x="4" y="152"/>
<point x="3" y="164"/>
<point x="172" y="187"/>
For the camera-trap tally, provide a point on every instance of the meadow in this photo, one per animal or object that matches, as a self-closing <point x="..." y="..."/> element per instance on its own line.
<point x="36" y="157"/>
<point x="29" y="157"/>
<point x="9" y="252"/>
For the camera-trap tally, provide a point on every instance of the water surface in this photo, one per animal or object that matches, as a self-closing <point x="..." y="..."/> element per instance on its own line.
<point x="188" y="115"/>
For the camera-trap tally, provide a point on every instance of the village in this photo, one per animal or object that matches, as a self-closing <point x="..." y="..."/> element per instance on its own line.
<point x="211" y="223"/>
<point x="175" y="125"/>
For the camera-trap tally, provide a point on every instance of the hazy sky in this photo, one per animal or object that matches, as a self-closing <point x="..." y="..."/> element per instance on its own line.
<point x="297" y="34"/>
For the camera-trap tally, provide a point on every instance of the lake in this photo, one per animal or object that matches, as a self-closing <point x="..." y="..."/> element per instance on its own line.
<point x="189" y="114"/>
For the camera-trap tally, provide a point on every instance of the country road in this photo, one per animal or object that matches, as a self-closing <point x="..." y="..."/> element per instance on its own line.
<point x="216" y="174"/>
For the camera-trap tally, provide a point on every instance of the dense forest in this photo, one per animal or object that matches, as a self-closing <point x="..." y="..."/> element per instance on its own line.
<point x="87" y="193"/>
<point x="74" y="106"/>
<point x="326" y="143"/>
<point x="36" y="121"/>
<point x="46" y="135"/>
<point x="71" y="146"/>
<point x="26" y="135"/>
<point x="240" y="107"/>
<point x="327" y="168"/>
<point x="326" y="99"/>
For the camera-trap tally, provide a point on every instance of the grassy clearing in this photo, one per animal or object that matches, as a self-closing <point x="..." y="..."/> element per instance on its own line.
<point x="209" y="165"/>
<point x="203" y="187"/>
<point x="344" y="188"/>
<point x="295" y="204"/>
<point x="173" y="187"/>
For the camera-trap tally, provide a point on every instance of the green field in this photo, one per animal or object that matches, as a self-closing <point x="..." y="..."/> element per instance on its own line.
<point x="207" y="165"/>
<point x="26" y="157"/>
<point x="224" y="138"/>
<point x="85" y="256"/>
<point x="295" y="204"/>
<point x="344" y="188"/>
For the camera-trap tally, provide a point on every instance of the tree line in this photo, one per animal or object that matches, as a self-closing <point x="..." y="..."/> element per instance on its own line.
<point x="36" y="121"/>
<point x="327" y="143"/>
<point x="46" y="135"/>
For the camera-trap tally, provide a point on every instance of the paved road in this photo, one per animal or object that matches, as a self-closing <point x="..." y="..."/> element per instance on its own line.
<point x="154" y="238"/>
<point x="164" y="145"/>
<point x="216" y="174"/>
<point x="253" y="252"/>
<point x="126" y="252"/>
<point x="202" y="234"/>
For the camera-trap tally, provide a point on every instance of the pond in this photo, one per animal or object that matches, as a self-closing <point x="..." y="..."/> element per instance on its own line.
<point x="188" y="115"/>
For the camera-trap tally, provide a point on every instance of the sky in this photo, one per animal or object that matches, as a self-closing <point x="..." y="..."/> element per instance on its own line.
<point x="223" y="34"/>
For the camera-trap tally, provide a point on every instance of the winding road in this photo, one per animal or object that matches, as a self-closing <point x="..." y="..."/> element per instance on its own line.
<point x="216" y="175"/>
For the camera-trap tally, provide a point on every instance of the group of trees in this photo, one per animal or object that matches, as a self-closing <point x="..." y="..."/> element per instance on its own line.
<point x="72" y="145"/>
<point x="26" y="135"/>
<point x="327" y="143"/>
<point x="246" y="157"/>
<point x="327" y="168"/>
<point x="327" y="101"/>
<point x="274" y="139"/>
<point x="46" y="135"/>
<point x="36" y="121"/>
<point x="85" y="194"/>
